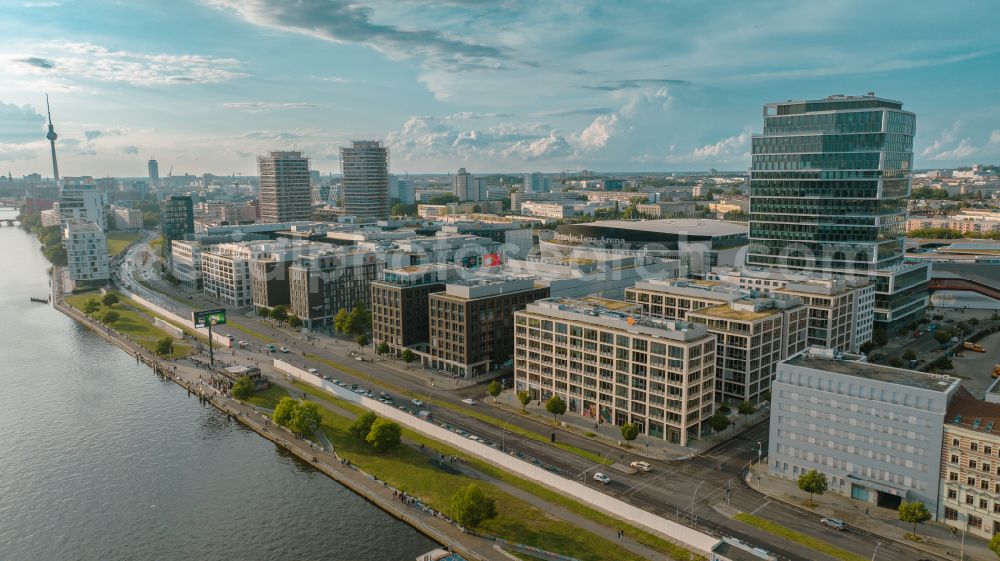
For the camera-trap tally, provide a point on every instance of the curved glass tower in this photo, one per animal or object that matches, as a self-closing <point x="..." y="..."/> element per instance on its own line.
<point x="828" y="188"/>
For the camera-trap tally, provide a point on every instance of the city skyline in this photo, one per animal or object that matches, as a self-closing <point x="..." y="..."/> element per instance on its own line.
<point x="506" y="87"/>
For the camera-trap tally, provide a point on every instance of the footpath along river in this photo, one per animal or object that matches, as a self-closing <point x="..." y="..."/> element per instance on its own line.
<point x="100" y="459"/>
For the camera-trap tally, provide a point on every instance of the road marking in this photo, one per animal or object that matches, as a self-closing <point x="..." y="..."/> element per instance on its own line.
<point x="758" y="509"/>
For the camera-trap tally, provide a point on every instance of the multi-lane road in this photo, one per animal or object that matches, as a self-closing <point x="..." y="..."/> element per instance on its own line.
<point x="703" y="491"/>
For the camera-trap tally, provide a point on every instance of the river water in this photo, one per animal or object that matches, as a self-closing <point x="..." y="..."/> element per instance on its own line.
<point x="101" y="460"/>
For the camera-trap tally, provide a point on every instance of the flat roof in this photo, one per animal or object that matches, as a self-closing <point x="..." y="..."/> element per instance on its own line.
<point x="677" y="226"/>
<point x="853" y="366"/>
<point x="726" y="311"/>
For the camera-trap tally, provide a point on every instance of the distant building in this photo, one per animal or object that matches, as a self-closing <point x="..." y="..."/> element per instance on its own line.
<point x="285" y="187"/>
<point x="127" y="218"/>
<point x="678" y="209"/>
<point x="613" y="184"/>
<point x="365" y="166"/>
<point x="466" y="187"/>
<point x="86" y="252"/>
<point x="472" y="322"/>
<point x="407" y="191"/>
<point x="583" y="274"/>
<point x="611" y="365"/>
<point x="874" y="431"/>
<point x="399" y="304"/>
<point x="176" y="220"/>
<point x="536" y="183"/>
<point x="80" y="199"/>
<point x="51" y="216"/>
<point x="154" y="173"/>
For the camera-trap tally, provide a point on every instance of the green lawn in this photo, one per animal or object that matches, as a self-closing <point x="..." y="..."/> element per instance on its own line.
<point x="132" y="322"/>
<point x="642" y="536"/>
<point x="118" y="241"/>
<point x="267" y="398"/>
<point x="798" y="537"/>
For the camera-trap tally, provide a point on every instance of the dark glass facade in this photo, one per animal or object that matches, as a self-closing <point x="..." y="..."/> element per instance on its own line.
<point x="176" y="220"/>
<point x="828" y="189"/>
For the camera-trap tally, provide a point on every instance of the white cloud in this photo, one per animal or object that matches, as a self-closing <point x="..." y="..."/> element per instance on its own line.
<point x="87" y="61"/>
<point x="262" y="106"/>
<point x="20" y="123"/>
<point x="596" y="135"/>
<point x="726" y="151"/>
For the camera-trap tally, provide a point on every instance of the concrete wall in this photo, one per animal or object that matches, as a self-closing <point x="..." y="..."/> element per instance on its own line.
<point x="219" y="338"/>
<point x="170" y="328"/>
<point x="687" y="537"/>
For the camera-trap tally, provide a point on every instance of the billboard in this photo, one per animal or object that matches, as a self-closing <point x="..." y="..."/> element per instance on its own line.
<point x="203" y="318"/>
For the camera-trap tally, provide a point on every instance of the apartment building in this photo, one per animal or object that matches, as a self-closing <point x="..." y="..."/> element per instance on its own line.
<point x="365" y="190"/>
<point x="674" y="298"/>
<point x="127" y="218"/>
<point x="81" y="199"/>
<point x="874" y="431"/>
<point x="225" y="272"/>
<point x="285" y="189"/>
<point x="185" y="263"/>
<point x="86" y="251"/>
<point x="269" y="279"/>
<point x="584" y="273"/>
<point x="322" y="284"/>
<point x="399" y="304"/>
<point x="753" y="335"/>
<point x="472" y="322"/>
<point x="970" y="465"/>
<point x="612" y="365"/>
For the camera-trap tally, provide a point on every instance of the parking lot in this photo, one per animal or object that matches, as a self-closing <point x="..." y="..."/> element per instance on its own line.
<point x="976" y="369"/>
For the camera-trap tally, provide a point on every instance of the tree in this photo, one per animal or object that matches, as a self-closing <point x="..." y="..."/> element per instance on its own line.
<point x="382" y="348"/>
<point x="91" y="306"/>
<point x="109" y="299"/>
<point x="994" y="544"/>
<point x="745" y="409"/>
<point x="305" y="418"/>
<point x="814" y="483"/>
<point x="973" y="321"/>
<point x="880" y="337"/>
<point x="243" y="388"/>
<point x="942" y="335"/>
<point x="361" y="340"/>
<point x="442" y="199"/>
<point x="264" y="312"/>
<point x="494" y="389"/>
<point x="384" y="435"/>
<point x="400" y="209"/>
<point x="284" y="410"/>
<point x="279" y="313"/>
<point x="359" y="321"/>
<point x="895" y="362"/>
<point x="867" y="347"/>
<point x="110" y="317"/>
<point x="362" y="425"/>
<point x="909" y="354"/>
<point x="341" y="321"/>
<point x="164" y="346"/>
<point x="470" y="507"/>
<point x="719" y="421"/>
<point x="525" y="398"/>
<point x="408" y="356"/>
<point x="294" y="321"/>
<point x="630" y="431"/>
<point x="556" y="406"/>
<point x="914" y="513"/>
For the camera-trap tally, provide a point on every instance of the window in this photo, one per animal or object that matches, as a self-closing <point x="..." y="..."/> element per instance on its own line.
<point x="969" y="500"/>
<point x="983" y="504"/>
<point x="975" y="521"/>
<point x="954" y="442"/>
<point x="950" y="514"/>
<point x="987" y="449"/>
<point x="974" y="446"/>
<point x="954" y="458"/>
<point x="953" y="476"/>
<point x="953" y="494"/>
<point x="972" y="464"/>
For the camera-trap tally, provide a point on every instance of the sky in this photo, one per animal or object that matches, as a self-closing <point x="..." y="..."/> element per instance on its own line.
<point x="489" y="85"/>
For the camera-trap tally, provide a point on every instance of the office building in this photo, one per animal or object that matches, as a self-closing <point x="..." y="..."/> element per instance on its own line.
<point x="399" y="304"/>
<point x="536" y="183"/>
<point x="829" y="184"/>
<point x="874" y="431"/>
<point x="127" y="218"/>
<point x="86" y="252"/>
<point x="154" y="173"/>
<point x="970" y="466"/>
<point x="466" y="187"/>
<point x="611" y="364"/>
<point x="321" y="284"/>
<point x="583" y="274"/>
<point x="225" y="273"/>
<point x="185" y="262"/>
<point x="176" y="220"/>
<point x="515" y="238"/>
<point x="365" y="192"/>
<point x="285" y="187"/>
<point x="269" y="277"/>
<point x="472" y="322"/>
<point x="80" y="199"/>
<point x="407" y="191"/>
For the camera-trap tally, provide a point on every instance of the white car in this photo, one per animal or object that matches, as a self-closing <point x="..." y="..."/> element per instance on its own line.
<point x="417" y="402"/>
<point x="642" y="466"/>
<point x="313" y="371"/>
<point x="602" y="478"/>
<point x="469" y="401"/>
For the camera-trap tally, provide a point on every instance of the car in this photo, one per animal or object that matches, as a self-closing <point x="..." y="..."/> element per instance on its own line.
<point x="244" y="344"/>
<point x="284" y="350"/>
<point x="313" y="371"/>
<point x="359" y="358"/>
<point x="469" y="401"/>
<point x="602" y="478"/>
<point x="335" y="381"/>
<point x="835" y="523"/>
<point x="417" y="402"/>
<point x="271" y="348"/>
<point x="642" y="466"/>
<point x="327" y="378"/>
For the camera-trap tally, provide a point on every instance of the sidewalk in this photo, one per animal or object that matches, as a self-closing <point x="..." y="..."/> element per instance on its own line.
<point x="880" y="521"/>
<point x="611" y="435"/>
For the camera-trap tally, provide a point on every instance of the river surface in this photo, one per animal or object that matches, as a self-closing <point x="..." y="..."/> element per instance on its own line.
<point x="100" y="460"/>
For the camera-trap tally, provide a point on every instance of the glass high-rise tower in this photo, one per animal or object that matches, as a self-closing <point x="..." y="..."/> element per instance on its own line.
<point x="829" y="183"/>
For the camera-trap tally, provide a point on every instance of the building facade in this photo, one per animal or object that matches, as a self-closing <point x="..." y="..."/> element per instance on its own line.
<point x="322" y="284"/>
<point x="176" y="220"/>
<point x="225" y="273"/>
<point x="970" y="466"/>
<point x="829" y="184"/>
<point x="365" y="191"/>
<point x="612" y="365"/>
<point x="86" y="252"/>
<point x="399" y="304"/>
<point x="285" y="187"/>
<point x="472" y="322"/>
<point x="80" y="199"/>
<point x="874" y="431"/>
<point x="127" y="218"/>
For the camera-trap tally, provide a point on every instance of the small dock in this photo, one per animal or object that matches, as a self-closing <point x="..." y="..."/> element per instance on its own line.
<point x="40" y="300"/>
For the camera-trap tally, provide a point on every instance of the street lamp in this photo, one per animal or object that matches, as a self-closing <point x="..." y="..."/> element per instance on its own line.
<point x="601" y="464"/>
<point x="503" y="433"/>
<point x="760" y="451"/>
<point x="693" y="495"/>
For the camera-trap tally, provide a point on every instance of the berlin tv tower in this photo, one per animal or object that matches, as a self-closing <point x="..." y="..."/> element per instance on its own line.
<point x="52" y="136"/>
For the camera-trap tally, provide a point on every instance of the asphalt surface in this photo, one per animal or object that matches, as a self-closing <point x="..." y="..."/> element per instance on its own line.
<point x="690" y="491"/>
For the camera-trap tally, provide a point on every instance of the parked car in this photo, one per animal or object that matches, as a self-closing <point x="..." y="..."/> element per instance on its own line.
<point x="642" y="466"/>
<point x="417" y="402"/>
<point x="602" y="478"/>
<point x="469" y="401"/>
<point x="835" y="523"/>
<point x="284" y="350"/>
<point x="313" y="371"/>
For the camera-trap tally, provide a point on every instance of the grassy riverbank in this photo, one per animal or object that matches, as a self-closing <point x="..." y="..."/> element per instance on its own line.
<point x="132" y="322"/>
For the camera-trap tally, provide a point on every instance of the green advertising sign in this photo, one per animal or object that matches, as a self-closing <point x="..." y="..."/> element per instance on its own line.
<point x="204" y="318"/>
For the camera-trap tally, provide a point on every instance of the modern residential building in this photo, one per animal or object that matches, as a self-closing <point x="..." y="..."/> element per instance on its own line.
<point x="225" y="272"/>
<point x="970" y="466"/>
<point x="285" y="187"/>
<point x="829" y="183"/>
<point x="50" y="217"/>
<point x="127" y="218"/>
<point x="611" y="364"/>
<point x="472" y="322"/>
<point x="365" y="192"/>
<point x="754" y="334"/>
<point x="674" y="298"/>
<point x="80" y="199"/>
<point x="399" y="304"/>
<point x="583" y="274"/>
<point x="185" y="262"/>
<point x="874" y="431"/>
<point x="86" y="251"/>
<point x="269" y="278"/>
<point x="321" y="284"/>
<point x="176" y="220"/>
